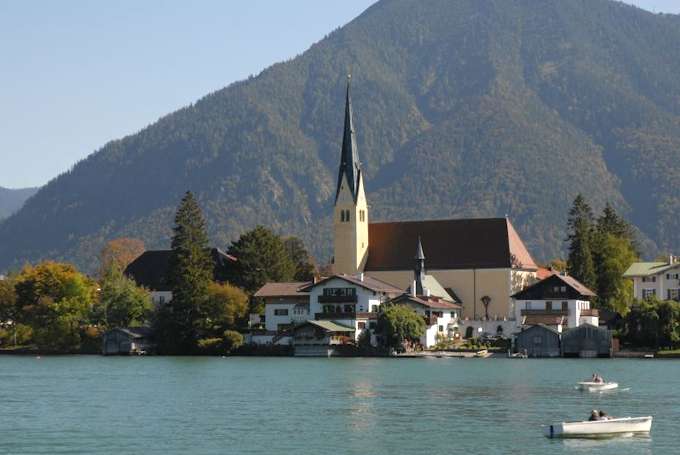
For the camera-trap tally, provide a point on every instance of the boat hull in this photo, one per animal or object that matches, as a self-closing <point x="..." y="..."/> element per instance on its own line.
<point x="600" y="428"/>
<point x="597" y="386"/>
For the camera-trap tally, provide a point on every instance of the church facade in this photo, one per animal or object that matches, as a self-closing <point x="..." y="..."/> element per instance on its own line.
<point x="481" y="261"/>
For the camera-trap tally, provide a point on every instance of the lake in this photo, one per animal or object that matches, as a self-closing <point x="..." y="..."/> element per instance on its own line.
<point x="98" y="405"/>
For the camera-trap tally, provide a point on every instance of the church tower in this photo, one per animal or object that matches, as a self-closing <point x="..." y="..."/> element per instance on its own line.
<point x="350" y="215"/>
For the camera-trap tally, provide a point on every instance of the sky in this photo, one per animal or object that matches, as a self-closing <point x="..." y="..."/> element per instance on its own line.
<point x="76" y="74"/>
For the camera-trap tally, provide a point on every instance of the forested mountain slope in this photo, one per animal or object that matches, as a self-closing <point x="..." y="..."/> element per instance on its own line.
<point x="462" y="108"/>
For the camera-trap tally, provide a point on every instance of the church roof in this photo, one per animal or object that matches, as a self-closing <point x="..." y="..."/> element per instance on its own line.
<point x="450" y="244"/>
<point x="349" y="159"/>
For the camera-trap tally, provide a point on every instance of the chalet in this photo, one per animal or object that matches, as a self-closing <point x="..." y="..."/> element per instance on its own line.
<point x="286" y="304"/>
<point x="557" y="301"/>
<point x="150" y="270"/>
<point x="322" y="339"/>
<point x="656" y="279"/>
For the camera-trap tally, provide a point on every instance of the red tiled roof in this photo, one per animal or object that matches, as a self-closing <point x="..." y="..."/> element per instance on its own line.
<point x="428" y="301"/>
<point x="368" y="282"/>
<point x="448" y="244"/>
<point x="543" y="273"/>
<point x="283" y="290"/>
<point x="544" y="319"/>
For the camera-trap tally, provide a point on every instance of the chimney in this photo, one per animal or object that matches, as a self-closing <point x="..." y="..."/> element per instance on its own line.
<point x="361" y="276"/>
<point x="671" y="259"/>
<point x="427" y="292"/>
<point x="413" y="288"/>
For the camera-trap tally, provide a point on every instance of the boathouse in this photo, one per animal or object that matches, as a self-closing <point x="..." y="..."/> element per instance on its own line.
<point x="587" y="340"/>
<point x="539" y="341"/>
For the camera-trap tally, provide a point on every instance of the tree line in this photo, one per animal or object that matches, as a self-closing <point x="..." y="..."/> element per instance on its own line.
<point x="56" y="308"/>
<point x="600" y="251"/>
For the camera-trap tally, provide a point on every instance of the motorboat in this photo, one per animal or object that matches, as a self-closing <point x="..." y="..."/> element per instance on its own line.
<point x="600" y="428"/>
<point x="591" y="386"/>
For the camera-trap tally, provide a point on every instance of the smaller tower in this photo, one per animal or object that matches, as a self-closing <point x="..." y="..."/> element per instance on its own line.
<point x="419" y="271"/>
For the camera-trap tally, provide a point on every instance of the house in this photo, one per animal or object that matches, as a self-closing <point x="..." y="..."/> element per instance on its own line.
<point x="150" y="270"/>
<point x="587" y="340"/>
<point x="538" y="341"/>
<point x="126" y="341"/>
<point x="430" y="300"/>
<point x="656" y="279"/>
<point x="350" y="301"/>
<point x="556" y="301"/>
<point x="323" y="339"/>
<point x="475" y="258"/>
<point x="286" y="304"/>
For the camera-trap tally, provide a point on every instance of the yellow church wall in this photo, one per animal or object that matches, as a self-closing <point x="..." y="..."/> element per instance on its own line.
<point x="351" y="237"/>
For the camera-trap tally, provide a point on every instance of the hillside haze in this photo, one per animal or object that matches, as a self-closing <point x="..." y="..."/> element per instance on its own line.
<point x="11" y="200"/>
<point x="463" y="108"/>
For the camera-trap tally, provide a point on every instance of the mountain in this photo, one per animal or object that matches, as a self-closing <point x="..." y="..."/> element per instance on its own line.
<point x="11" y="200"/>
<point x="463" y="108"/>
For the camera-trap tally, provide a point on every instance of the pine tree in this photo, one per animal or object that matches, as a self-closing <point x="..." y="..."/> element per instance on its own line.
<point x="261" y="257"/>
<point x="580" y="227"/>
<point x="190" y="274"/>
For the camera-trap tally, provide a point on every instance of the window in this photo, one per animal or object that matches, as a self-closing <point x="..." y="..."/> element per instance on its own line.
<point x="674" y="294"/>
<point x="548" y="306"/>
<point x="361" y="325"/>
<point x="565" y="306"/>
<point x="281" y="312"/>
<point x="647" y="293"/>
<point x="348" y="309"/>
<point x="346" y="215"/>
<point x="649" y="279"/>
<point x="441" y="328"/>
<point x="161" y="299"/>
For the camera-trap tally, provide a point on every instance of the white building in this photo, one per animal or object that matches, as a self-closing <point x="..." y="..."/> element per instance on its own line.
<point x="285" y="304"/>
<point x="656" y="279"/>
<point x="350" y="301"/>
<point x="558" y="301"/>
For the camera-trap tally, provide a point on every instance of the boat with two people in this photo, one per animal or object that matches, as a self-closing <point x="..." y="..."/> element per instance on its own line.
<point x="600" y="425"/>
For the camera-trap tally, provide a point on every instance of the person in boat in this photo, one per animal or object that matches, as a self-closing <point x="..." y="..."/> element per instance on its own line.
<point x="604" y="416"/>
<point x="594" y="415"/>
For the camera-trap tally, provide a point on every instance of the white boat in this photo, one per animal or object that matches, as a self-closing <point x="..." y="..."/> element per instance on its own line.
<point x="600" y="428"/>
<point x="590" y="386"/>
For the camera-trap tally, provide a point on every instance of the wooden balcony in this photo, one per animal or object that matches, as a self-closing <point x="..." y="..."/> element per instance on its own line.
<point x="545" y="312"/>
<point x="334" y="316"/>
<point x="338" y="299"/>
<point x="590" y="312"/>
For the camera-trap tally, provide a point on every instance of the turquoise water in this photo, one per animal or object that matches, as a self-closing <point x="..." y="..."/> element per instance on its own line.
<point x="97" y="405"/>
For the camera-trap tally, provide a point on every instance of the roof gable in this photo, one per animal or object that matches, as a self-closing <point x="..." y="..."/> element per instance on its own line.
<point x="545" y="289"/>
<point x="368" y="282"/>
<point x="448" y="244"/>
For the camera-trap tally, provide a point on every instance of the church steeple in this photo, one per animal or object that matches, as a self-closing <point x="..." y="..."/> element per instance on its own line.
<point x="419" y="271"/>
<point x="349" y="158"/>
<point x="350" y="217"/>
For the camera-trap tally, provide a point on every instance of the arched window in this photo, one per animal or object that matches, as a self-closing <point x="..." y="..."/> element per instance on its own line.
<point x="346" y="215"/>
<point x="468" y="332"/>
<point x="342" y="216"/>
<point x="499" y="330"/>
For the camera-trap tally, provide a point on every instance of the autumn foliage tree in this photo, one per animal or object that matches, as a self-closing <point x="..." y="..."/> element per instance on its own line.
<point x="54" y="299"/>
<point x="119" y="253"/>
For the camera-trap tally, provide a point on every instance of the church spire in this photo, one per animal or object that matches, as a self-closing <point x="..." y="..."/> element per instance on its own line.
<point x="419" y="272"/>
<point x="349" y="159"/>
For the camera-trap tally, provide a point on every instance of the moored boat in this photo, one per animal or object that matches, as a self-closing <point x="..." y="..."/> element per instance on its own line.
<point x="600" y="428"/>
<point x="591" y="386"/>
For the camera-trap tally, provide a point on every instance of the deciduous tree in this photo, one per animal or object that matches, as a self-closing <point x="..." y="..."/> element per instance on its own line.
<point x="398" y="324"/>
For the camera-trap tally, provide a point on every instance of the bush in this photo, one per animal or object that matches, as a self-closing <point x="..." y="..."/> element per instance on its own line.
<point x="210" y="346"/>
<point x="232" y="340"/>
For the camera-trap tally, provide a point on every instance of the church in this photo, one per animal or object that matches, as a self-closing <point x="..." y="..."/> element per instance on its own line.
<point x="481" y="262"/>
